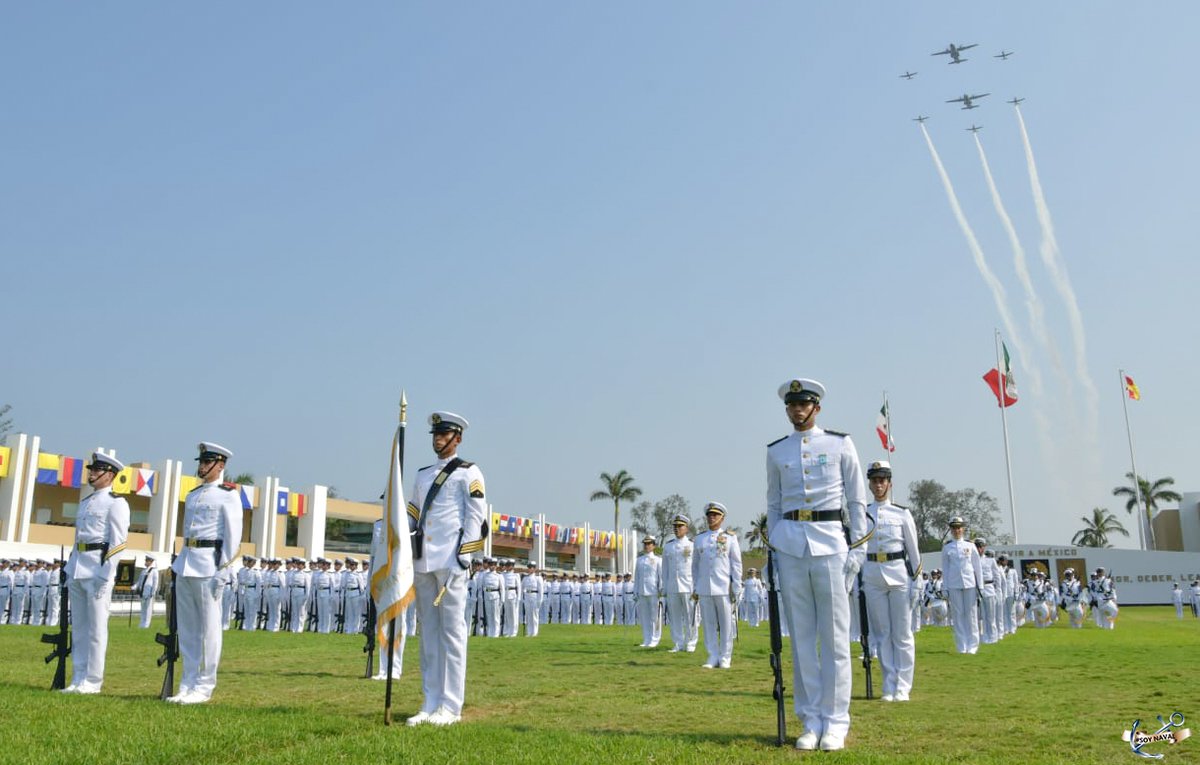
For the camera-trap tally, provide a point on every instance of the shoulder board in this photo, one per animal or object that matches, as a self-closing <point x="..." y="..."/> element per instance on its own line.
<point x="198" y="488"/>
<point x="227" y="486"/>
<point x="465" y="464"/>
<point x="902" y="507"/>
<point x="114" y="495"/>
<point x="731" y="532"/>
<point x="777" y="440"/>
<point x="424" y="468"/>
<point x="837" y="433"/>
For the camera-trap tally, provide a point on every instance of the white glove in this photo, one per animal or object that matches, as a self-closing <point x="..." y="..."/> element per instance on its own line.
<point x="850" y="570"/>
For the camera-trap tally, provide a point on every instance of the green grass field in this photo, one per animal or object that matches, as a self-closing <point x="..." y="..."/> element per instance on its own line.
<point x="587" y="694"/>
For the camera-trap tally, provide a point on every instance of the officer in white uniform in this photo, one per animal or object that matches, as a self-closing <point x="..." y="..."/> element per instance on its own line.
<point x="647" y="586"/>
<point x="6" y="585"/>
<point x="512" y="598"/>
<point x="249" y="580"/>
<point x="893" y="563"/>
<point x="717" y="578"/>
<point x="297" y="595"/>
<point x="273" y="592"/>
<point x="101" y="529"/>
<point x="491" y="586"/>
<point x="212" y="533"/>
<point x="987" y="593"/>
<point x="20" y="592"/>
<point x="449" y="529"/>
<point x="39" y="585"/>
<point x="811" y="473"/>
<point x="532" y="592"/>
<point x="146" y="588"/>
<point x="1177" y="599"/>
<point x="352" y="591"/>
<point x="677" y="586"/>
<point x="962" y="574"/>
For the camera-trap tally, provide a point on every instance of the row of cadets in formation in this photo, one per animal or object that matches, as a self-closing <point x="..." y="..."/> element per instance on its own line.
<point x="1192" y="596"/>
<point x="29" y="591"/>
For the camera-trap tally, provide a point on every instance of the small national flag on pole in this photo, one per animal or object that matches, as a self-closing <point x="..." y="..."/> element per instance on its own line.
<point x="1003" y="379"/>
<point x="1131" y="389"/>
<point x="392" y="583"/>
<point x="883" y="427"/>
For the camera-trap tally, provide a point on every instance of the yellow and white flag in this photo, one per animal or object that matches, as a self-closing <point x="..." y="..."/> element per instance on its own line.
<point x="392" y="581"/>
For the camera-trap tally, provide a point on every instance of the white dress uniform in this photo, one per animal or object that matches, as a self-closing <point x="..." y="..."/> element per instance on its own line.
<point x="297" y="595"/>
<point x="147" y="586"/>
<point x="532" y="595"/>
<point x="988" y="599"/>
<point x="39" y="586"/>
<point x="962" y="575"/>
<point x="101" y="530"/>
<point x="677" y="592"/>
<point x="323" y="599"/>
<point x="352" y="591"/>
<point x="453" y="528"/>
<point x="250" y="592"/>
<point x="212" y="531"/>
<point x="1177" y="599"/>
<point x="512" y="601"/>
<point x="6" y="585"/>
<point x="586" y="589"/>
<point x="717" y="577"/>
<point x="1010" y="601"/>
<point x="893" y="561"/>
<point x="608" y="601"/>
<point x="647" y="586"/>
<point x="753" y="598"/>
<point x="20" y="594"/>
<point x="491" y="588"/>
<point x="809" y="474"/>
<point x="273" y="588"/>
<point x="629" y="604"/>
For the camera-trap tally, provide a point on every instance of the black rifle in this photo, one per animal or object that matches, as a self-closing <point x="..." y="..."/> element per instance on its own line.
<point x="239" y="611"/>
<point x="341" y="614"/>
<point x="369" y="634"/>
<point x="310" y="624"/>
<point x="260" y="619"/>
<point x="775" y="613"/>
<point x="864" y="637"/>
<point x="61" y="640"/>
<point x="170" y="643"/>
<point x="286" y="607"/>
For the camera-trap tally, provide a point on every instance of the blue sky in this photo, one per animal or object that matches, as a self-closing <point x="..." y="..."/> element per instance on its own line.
<point x="604" y="233"/>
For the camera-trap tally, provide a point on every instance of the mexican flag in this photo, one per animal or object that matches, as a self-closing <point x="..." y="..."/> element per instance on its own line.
<point x="997" y="380"/>
<point x="883" y="428"/>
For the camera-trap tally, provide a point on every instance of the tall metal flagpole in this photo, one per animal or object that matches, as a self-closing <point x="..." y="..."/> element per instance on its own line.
<point x="387" y="694"/>
<point x="1137" y="485"/>
<point x="890" y="448"/>
<point x="1002" y="379"/>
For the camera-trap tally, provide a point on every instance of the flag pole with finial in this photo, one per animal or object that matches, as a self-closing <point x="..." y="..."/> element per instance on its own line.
<point x="391" y="651"/>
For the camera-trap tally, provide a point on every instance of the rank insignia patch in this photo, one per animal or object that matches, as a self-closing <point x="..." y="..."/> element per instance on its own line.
<point x="476" y="489"/>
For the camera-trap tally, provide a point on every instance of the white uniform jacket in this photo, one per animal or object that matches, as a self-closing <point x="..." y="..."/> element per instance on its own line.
<point x="961" y="568"/>
<point x="895" y="534"/>
<point x="717" y="564"/>
<point x="454" y="525"/>
<point x="212" y="511"/>
<point x="811" y="471"/>
<point x="647" y="576"/>
<point x="677" y="566"/>
<point x="102" y="518"/>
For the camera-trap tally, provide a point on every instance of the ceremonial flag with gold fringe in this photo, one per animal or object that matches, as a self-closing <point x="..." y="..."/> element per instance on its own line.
<point x="392" y="581"/>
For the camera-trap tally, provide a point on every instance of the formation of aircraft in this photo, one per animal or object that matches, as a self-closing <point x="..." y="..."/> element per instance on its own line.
<point x="1003" y="54"/>
<point x="1015" y="101"/>
<point x="968" y="100"/>
<point x="954" y="52"/>
<point x="908" y="75"/>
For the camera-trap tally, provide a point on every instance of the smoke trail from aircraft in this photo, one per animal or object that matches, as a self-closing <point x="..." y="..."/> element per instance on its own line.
<point x="997" y="289"/>
<point x="1052" y="260"/>
<point x="1033" y="304"/>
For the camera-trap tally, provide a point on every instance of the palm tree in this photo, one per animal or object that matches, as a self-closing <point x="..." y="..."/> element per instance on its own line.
<point x="1151" y="495"/>
<point x="757" y="538"/>
<point x="617" y="487"/>
<point x="1096" y="529"/>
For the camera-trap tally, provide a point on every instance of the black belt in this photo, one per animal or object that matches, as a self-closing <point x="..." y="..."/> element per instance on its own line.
<point x="813" y="515"/>
<point x="251" y="586"/>
<point x="272" y="587"/>
<point x="202" y="542"/>
<point x="90" y="546"/>
<point x="492" y="589"/>
<point x="989" y="581"/>
<point x="881" y="557"/>
<point x="299" y="587"/>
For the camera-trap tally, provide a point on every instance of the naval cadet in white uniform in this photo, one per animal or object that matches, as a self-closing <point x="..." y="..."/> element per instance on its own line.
<point x="146" y="588"/>
<point x="677" y="586"/>
<point x="212" y="534"/>
<point x="647" y="586"/>
<point x="448" y="518"/>
<point x="811" y="473"/>
<point x="101" y="530"/>
<point x="962" y="572"/>
<point x="717" y="578"/>
<point x="893" y="563"/>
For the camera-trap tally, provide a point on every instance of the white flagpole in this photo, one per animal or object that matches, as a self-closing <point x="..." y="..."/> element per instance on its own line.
<point x="1002" y="380"/>
<point x="1137" y="485"/>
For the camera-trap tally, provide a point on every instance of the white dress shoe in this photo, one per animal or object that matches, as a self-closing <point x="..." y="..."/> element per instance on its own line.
<point x="69" y="689"/>
<point x="707" y="665"/>
<point x="673" y="650"/>
<point x="420" y="718"/>
<point x="901" y="696"/>
<point x="888" y="697"/>
<point x="807" y="741"/>
<point x="443" y="716"/>
<point x="194" y="697"/>
<point x="831" y="743"/>
<point x="724" y="664"/>
<point x="87" y="690"/>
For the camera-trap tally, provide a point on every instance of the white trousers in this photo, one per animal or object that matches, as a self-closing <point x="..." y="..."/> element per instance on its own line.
<point x="251" y="601"/>
<point x="679" y="615"/>
<point x="274" y="596"/>
<point x="817" y="612"/>
<point x="491" y="614"/>
<point x="510" y="617"/>
<point x="199" y="603"/>
<point x="889" y="611"/>
<point x="89" y="628"/>
<point x="443" y="641"/>
<point x="147" y="610"/>
<point x="533" y="615"/>
<point x="299" y="601"/>
<point x="988" y="619"/>
<point x="964" y="618"/>
<point x="37" y="605"/>
<point x="647" y="614"/>
<point x="717" y="617"/>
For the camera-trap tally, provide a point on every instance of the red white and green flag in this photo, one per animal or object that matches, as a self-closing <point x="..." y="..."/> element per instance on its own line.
<point x="883" y="428"/>
<point x="1002" y="382"/>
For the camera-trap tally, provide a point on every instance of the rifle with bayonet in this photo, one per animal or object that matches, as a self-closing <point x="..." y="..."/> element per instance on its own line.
<point x="369" y="634"/>
<point x="775" y="613"/>
<point x="864" y="636"/>
<point x="61" y="640"/>
<point x="170" y="642"/>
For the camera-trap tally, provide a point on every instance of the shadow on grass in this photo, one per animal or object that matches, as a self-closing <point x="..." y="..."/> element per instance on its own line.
<point x="651" y="738"/>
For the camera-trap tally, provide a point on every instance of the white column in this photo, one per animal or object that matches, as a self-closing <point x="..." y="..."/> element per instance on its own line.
<point x="28" y="479"/>
<point x="11" y="487"/>
<point x="585" y="547"/>
<point x="260" y="521"/>
<point x="539" y="544"/>
<point x="487" y="543"/>
<point x="172" y="500"/>
<point x="160" y="509"/>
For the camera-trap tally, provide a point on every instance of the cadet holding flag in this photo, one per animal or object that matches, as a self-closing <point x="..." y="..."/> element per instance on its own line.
<point x="448" y="520"/>
<point x="212" y="533"/>
<point x="811" y="473"/>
